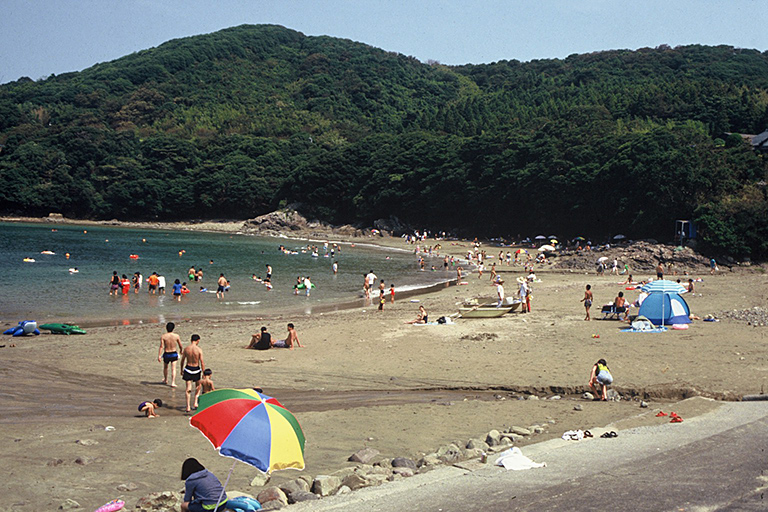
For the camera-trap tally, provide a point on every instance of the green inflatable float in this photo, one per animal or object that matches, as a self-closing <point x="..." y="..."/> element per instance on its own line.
<point x="63" y="329"/>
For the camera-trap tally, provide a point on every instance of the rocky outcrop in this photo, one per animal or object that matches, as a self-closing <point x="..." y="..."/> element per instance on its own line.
<point x="289" y="221"/>
<point x="641" y="256"/>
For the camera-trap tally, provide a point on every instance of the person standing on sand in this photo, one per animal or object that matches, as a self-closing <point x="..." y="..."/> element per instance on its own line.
<point x="222" y="284"/>
<point x="712" y="267"/>
<point x="500" y="292"/>
<point x="493" y="272"/>
<point x="392" y="293"/>
<point x="170" y="345"/>
<point x="587" y="300"/>
<point x="600" y="376"/>
<point x="659" y="271"/>
<point x="523" y="293"/>
<point x="192" y="369"/>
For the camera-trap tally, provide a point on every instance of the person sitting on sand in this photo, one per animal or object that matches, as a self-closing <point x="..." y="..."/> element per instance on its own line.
<point x="148" y="408"/>
<point x="206" y="383"/>
<point x="201" y="489"/>
<point x="421" y="318"/>
<point x="289" y="341"/>
<point x="690" y="286"/>
<point x="629" y="280"/>
<point x="261" y="340"/>
<point x="600" y="376"/>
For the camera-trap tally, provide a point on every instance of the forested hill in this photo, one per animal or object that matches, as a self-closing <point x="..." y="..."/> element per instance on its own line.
<point x="242" y="121"/>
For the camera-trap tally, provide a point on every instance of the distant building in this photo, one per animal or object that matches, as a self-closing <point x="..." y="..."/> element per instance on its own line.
<point x="760" y="142"/>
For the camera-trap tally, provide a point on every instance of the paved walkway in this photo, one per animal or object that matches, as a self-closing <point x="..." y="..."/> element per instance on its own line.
<point x="716" y="461"/>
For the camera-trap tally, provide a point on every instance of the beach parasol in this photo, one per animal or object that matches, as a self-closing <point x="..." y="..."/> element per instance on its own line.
<point x="554" y="241"/>
<point x="540" y="237"/>
<point x="250" y="427"/>
<point x="602" y="259"/>
<point x="619" y="237"/>
<point x="663" y="286"/>
<point x="548" y="248"/>
<point x="521" y="251"/>
<point x="579" y="238"/>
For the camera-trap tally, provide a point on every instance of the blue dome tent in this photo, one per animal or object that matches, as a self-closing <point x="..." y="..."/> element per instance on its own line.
<point x="665" y="308"/>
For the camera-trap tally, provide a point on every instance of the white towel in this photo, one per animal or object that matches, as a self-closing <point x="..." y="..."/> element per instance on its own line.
<point x="573" y="435"/>
<point x="514" y="459"/>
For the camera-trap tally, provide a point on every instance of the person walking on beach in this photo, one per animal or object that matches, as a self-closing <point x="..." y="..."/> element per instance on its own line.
<point x="170" y="345"/>
<point x="222" y="284"/>
<point x="600" y="378"/>
<point x="659" y="271"/>
<point x="192" y="369"/>
<point x="392" y="293"/>
<point x="587" y="300"/>
<point x="523" y="293"/>
<point x="712" y="266"/>
<point x="206" y="383"/>
<point x="493" y="272"/>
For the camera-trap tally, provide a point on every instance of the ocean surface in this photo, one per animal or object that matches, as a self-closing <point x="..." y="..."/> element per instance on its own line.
<point x="46" y="291"/>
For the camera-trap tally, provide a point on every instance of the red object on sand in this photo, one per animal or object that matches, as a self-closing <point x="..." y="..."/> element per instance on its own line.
<point x="661" y="413"/>
<point x="676" y="419"/>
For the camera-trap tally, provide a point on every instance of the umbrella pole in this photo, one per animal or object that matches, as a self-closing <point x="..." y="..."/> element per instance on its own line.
<point x="218" y="501"/>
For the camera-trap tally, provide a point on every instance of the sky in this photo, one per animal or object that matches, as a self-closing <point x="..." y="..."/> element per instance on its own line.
<point x="43" y="37"/>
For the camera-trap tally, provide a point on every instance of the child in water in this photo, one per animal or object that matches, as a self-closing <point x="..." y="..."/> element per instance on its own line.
<point x="148" y="408"/>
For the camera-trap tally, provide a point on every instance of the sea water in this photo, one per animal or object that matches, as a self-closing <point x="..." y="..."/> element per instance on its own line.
<point x="48" y="289"/>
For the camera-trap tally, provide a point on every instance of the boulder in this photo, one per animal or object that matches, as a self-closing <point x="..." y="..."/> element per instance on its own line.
<point x="294" y="486"/>
<point x="273" y="505"/>
<point x="87" y="442"/>
<point x="538" y="430"/>
<point x="402" y="462"/>
<point x="588" y="396"/>
<point x="449" y="453"/>
<point x="532" y="397"/>
<point x="521" y="431"/>
<point x="578" y="407"/>
<point x="474" y="453"/>
<point x="160" y="501"/>
<point x="364" y="456"/>
<point x="343" y="490"/>
<point x="513" y="438"/>
<point x="384" y="463"/>
<point x="325" y="485"/>
<point x="613" y="395"/>
<point x="493" y="437"/>
<point x="272" y="494"/>
<point x="356" y="481"/>
<point x="477" y="443"/>
<point x="299" y="496"/>
<point x="84" y="461"/>
<point x="429" y="460"/>
<point x="404" y="471"/>
<point x="260" y="480"/>
<point x="344" y="472"/>
<point x="373" y="470"/>
<point x="69" y="505"/>
<point x="130" y="486"/>
<point x="54" y="462"/>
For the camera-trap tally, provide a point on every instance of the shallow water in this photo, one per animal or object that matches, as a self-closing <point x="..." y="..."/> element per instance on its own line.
<point x="46" y="291"/>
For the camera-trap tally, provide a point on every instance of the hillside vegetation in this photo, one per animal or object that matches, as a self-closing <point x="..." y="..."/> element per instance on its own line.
<point x="242" y="121"/>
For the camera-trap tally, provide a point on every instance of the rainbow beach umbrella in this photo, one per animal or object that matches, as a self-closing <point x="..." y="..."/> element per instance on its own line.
<point x="251" y="427"/>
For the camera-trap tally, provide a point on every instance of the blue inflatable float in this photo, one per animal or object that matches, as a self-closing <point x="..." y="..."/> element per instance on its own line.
<point x="25" y="327"/>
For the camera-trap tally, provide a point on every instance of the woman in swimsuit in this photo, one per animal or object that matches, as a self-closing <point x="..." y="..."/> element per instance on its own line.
<point x="421" y="318"/>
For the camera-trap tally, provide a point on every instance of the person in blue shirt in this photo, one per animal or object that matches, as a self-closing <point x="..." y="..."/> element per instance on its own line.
<point x="202" y="489"/>
<point x="177" y="290"/>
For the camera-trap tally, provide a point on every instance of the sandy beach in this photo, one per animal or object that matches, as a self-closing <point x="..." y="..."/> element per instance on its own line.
<point x="365" y="378"/>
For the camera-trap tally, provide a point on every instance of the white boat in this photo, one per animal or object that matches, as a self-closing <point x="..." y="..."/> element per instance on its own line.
<point x="486" y="310"/>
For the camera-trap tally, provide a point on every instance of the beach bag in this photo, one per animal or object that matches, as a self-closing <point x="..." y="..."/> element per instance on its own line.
<point x="441" y="320"/>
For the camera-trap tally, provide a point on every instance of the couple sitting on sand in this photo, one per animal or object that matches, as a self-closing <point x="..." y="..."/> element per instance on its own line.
<point x="263" y="340"/>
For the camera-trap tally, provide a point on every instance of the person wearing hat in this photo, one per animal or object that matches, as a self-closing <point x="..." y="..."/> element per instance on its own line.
<point x="523" y="294"/>
<point x="500" y="292"/>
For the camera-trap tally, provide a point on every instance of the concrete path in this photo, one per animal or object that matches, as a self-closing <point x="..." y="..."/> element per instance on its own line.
<point x="716" y="461"/>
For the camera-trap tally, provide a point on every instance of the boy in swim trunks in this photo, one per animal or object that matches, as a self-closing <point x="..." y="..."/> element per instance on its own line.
<point x="206" y="383"/>
<point x="148" y="408"/>
<point x="193" y="370"/>
<point x="168" y="354"/>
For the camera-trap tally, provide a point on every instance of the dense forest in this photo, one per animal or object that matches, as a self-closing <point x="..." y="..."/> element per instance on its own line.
<point x="246" y="120"/>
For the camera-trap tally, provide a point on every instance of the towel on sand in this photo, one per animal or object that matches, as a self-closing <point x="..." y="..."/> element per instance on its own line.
<point x="514" y="459"/>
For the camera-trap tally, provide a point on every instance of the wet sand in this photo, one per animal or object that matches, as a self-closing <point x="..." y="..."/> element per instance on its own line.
<point x="364" y="379"/>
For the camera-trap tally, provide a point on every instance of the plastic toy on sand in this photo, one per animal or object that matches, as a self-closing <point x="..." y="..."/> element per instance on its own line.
<point x="111" y="506"/>
<point x="25" y="327"/>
